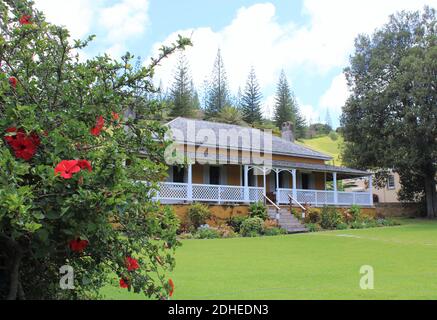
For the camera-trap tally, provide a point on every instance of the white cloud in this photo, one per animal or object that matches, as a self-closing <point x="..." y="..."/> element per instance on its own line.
<point x="126" y="18"/>
<point x="310" y="114"/>
<point x="255" y="37"/>
<point x="76" y="15"/>
<point x="116" y="23"/>
<point x="335" y="97"/>
<point x="329" y="39"/>
<point x="252" y="38"/>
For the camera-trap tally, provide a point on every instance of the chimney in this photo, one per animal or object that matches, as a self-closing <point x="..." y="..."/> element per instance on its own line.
<point x="287" y="131"/>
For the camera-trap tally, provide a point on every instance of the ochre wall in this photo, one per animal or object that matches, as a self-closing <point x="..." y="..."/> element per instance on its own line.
<point x="319" y="180"/>
<point x="398" y="209"/>
<point x="198" y="174"/>
<point x="220" y="213"/>
<point x="245" y="154"/>
<point x="297" y="159"/>
<point x="233" y="172"/>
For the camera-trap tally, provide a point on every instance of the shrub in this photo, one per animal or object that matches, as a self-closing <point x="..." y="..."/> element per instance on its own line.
<point x="313" y="216"/>
<point x="330" y="218"/>
<point x="235" y="222"/>
<point x="313" y="227"/>
<point x="386" y="222"/>
<point x="226" y="232"/>
<point x="274" y="232"/>
<point x="269" y="224"/>
<point x="252" y="227"/>
<point x="342" y="226"/>
<point x="357" y="225"/>
<point x="355" y="212"/>
<point x="186" y="235"/>
<point x="198" y="214"/>
<point x="258" y="210"/>
<point x="333" y="135"/>
<point x="205" y="232"/>
<point x="296" y="213"/>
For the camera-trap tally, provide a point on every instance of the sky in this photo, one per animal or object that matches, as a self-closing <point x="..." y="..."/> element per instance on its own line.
<point x="311" y="40"/>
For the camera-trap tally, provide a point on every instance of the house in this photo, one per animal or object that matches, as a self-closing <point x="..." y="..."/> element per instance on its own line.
<point x="229" y="164"/>
<point x="386" y="194"/>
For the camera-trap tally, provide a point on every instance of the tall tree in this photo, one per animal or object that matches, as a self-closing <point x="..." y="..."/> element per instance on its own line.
<point x="251" y="100"/>
<point x="286" y="107"/>
<point x="328" y="119"/>
<point x="217" y="91"/>
<point x="390" y="120"/>
<point x="182" y="92"/>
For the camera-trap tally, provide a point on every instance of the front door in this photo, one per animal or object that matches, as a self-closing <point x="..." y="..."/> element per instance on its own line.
<point x="214" y="175"/>
<point x="305" y="181"/>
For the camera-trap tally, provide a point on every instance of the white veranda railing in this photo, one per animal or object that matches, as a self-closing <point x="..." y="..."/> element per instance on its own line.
<point x="174" y="192"/>
<point x="171" y="192"/>
<point x="320" y="198"/>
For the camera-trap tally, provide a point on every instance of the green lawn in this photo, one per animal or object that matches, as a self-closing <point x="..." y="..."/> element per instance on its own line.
<point x="326" y="145"/>
<point x="321" y="265"/>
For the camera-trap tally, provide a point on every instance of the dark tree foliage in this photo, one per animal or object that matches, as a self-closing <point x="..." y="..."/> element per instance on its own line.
<point x="286" y="107"/>
<point x="217" y="90"/>
<point x="251" y="100"/>
<point x="390" y="120"/>
<point x="183" y="97"/>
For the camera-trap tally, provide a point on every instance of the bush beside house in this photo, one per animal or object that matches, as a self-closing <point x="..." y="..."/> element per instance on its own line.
<point x="201" y="223"/>
<point x="330" y="218"/>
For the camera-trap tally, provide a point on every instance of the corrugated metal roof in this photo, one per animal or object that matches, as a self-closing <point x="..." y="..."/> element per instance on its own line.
<point x="195" y="132"/>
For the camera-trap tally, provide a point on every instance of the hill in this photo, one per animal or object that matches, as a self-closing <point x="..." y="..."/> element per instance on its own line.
<point x="326" y="145"/>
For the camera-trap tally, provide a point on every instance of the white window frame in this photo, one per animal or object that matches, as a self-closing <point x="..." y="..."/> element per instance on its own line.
<point x="389" y="185"/>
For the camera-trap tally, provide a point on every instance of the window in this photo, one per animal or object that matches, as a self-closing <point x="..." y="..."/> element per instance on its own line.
<point x="178" y="175"/>
<point x="391" y="182"/>
<point x="214" y="175"/>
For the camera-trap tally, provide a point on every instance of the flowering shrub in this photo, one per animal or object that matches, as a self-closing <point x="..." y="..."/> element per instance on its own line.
<point x="68" y="129"/>
<point x="198" y="214"/>
<point x="252" y="227"/>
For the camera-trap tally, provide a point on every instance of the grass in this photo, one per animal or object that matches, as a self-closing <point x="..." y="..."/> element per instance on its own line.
<point x="321" y="265"/>
<point x="326" y="145"/>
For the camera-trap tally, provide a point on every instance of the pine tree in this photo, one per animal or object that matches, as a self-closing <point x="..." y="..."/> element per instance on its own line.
<point x="238" y="101"/>
<point x="251" y="100"/>
<point x="287" y="109"/>
<point x="217" y="92"/>
<point x="283" y="102"/>
<point x="328" y="119"/>
<point x="182" y="91"/>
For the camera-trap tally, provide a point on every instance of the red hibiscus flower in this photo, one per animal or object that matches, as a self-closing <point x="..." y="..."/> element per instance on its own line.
<point x="24" y="146"/>
<point x="124" y="283"/>
<point x="171" y="284"/>
<point x="115" y="116"/>
<point x="13" y="82"/>
<point x="131" y="264"/>
<point x="99" y="126"/>
<point x="85" y="164"/>
<point x="78" y="245"/>
<point x="24" y="149"/>
<point x="25" y="20"/>
<point x="67" y="168"/>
